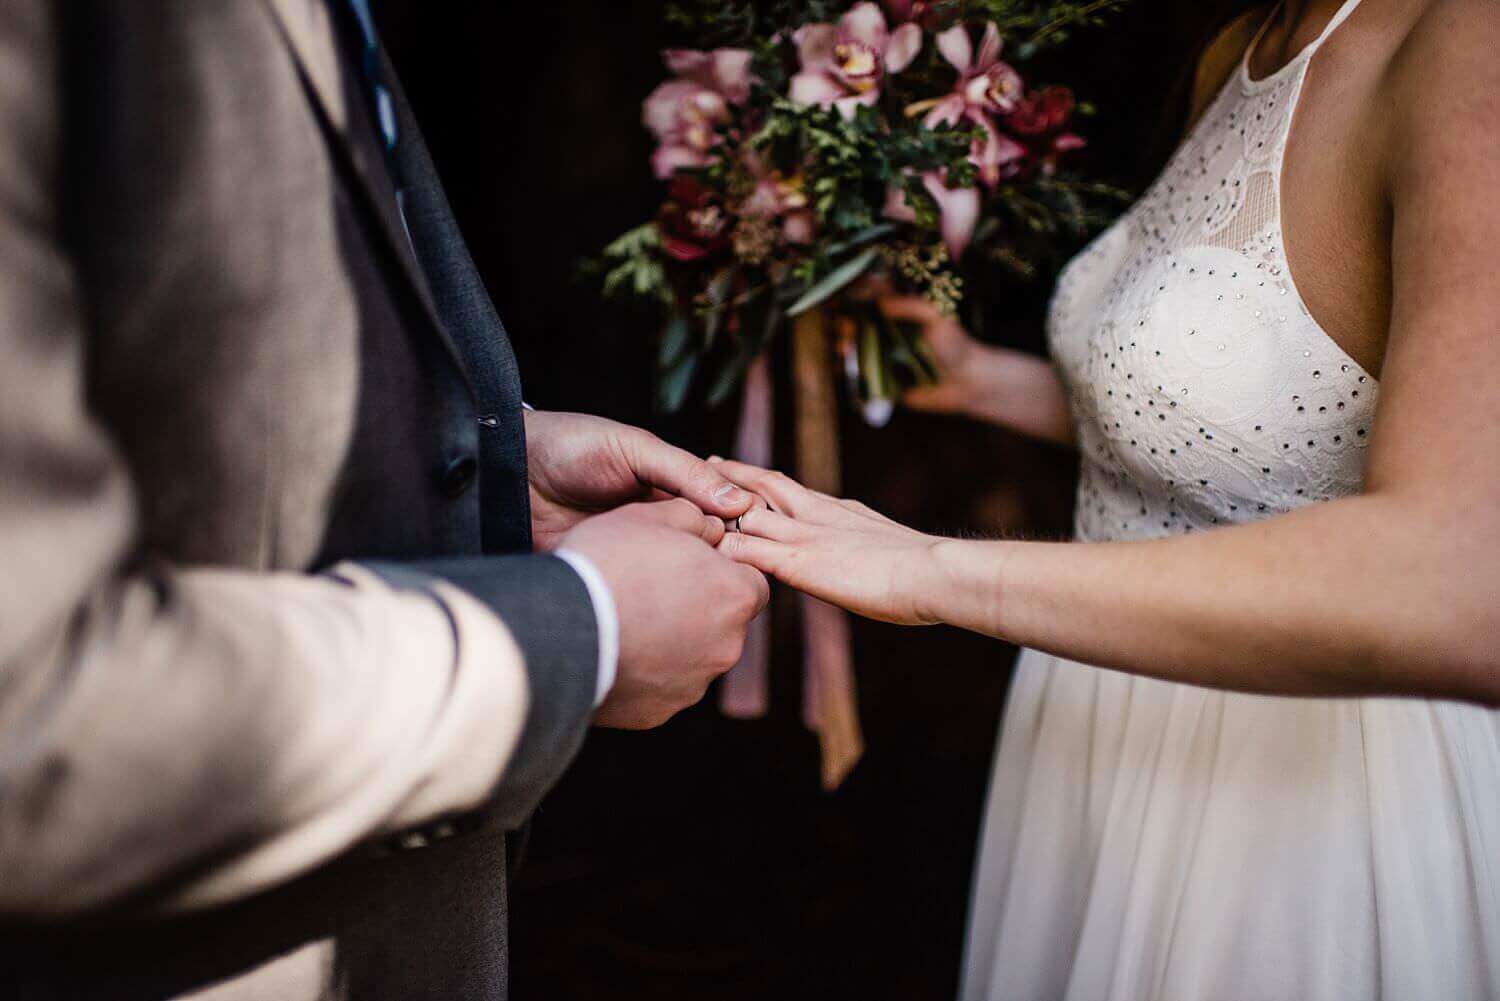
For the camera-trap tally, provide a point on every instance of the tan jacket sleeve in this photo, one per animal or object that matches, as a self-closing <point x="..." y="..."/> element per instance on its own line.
<point x="187" y="736"/>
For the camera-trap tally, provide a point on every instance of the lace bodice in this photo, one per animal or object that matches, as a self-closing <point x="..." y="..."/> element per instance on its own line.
<point x="1204" y="391"/>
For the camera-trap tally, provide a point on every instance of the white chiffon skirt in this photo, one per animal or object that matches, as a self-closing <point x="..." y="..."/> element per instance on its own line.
<point x="1151" y="840"/>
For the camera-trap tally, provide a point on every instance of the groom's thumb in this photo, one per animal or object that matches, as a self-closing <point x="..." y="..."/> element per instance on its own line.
<point x="679" y="472"/>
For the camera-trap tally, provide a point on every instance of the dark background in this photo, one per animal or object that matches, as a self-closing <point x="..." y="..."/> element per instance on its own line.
<point x="701" y="860"/>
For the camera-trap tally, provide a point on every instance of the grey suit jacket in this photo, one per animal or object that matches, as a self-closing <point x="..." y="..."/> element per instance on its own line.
<point x="224" y="366"/>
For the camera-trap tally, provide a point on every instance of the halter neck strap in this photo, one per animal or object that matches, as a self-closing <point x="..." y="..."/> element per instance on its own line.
<point x="1339" y="17"/>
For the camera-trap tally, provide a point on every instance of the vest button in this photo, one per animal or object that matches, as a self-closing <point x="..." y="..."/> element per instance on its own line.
<point x="458" y="477"/>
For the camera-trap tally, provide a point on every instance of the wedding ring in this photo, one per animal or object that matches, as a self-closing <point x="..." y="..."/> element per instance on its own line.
<point x="736" y="526"/>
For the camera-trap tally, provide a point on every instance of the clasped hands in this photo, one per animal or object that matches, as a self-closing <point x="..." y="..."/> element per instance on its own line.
<point x="653" y="520"/>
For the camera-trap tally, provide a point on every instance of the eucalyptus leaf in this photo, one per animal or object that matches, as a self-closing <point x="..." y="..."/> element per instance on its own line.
<point x="775" y="317"/>
<point x="672" y="390"/>
<point x="835" y="282"/>
<point x="717" y="292"/>
<point x="869" y="235"/>
<point x="674" y="341"/>
<point x="925" y="369"/>
<point x="764" y="321"/>
<point x="728" y="379"/>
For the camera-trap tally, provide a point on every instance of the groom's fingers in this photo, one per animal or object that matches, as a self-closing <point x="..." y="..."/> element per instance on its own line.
<point x="681" y="473"/>
<point x="683" y="515"/>
<point x="762" y="587"/>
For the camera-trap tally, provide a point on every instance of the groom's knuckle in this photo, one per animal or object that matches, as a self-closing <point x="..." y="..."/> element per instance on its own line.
<point x="747" y="597"/>
<point x="727" y="651"/>
<point x="639" y="438"/>
<point x="759" y="597"/>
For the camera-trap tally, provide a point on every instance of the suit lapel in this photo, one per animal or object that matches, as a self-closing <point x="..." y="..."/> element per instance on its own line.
<point x="309" y="32"/>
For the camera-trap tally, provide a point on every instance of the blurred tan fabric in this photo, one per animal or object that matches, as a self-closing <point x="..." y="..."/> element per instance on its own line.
<point x="186" y="717"/>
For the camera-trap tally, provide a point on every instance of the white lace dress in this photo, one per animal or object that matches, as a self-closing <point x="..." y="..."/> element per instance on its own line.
<point x="1152" y="840"/>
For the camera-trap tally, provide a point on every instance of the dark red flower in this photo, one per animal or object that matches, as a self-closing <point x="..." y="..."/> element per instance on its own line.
<point x="1040" y="120"/>
<point x="693" y="222"/>
<point x="1041" y="112"/>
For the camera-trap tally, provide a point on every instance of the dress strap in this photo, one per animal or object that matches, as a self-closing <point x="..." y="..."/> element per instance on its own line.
<point x="1301" y="58"/>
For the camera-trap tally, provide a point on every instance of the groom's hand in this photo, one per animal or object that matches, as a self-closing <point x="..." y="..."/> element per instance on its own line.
<point x="683" y="607"/>
<point x="580" y="466"/>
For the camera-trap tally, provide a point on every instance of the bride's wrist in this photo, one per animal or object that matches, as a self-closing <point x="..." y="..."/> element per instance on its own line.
<point x="965" y="584"/>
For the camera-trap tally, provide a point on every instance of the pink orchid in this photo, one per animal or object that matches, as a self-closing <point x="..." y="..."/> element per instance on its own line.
<point x="985" y="86"/>
<point x="777" y="197"/>
<point x="997" y="155"/>
<point x="958" y="211"/>
<point x="685" y="114"/>
<point x="843" y="64"/>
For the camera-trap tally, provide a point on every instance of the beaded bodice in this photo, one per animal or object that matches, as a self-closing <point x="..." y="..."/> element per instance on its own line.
<point x="1203" y="390"/>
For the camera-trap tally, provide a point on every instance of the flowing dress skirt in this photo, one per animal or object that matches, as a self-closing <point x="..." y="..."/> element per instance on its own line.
<point x="1152" y="840"/>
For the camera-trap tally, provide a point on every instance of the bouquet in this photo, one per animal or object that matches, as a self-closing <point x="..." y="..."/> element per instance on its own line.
<point x="814" y="151"/>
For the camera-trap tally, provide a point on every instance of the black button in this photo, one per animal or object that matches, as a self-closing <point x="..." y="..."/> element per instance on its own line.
<point x="458" y="477"/>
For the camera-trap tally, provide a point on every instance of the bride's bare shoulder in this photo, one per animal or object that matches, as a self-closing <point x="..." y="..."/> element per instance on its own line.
<point x="1450" y="43"/>
<point x="1443" y="85"/>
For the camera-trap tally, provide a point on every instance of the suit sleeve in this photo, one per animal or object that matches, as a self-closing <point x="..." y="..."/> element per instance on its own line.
<point x="174" y="737"/>
<point x="548" y="608"/>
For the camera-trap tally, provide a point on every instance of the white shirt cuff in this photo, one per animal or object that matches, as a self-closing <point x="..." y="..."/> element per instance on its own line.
<point x="604" y="614"/>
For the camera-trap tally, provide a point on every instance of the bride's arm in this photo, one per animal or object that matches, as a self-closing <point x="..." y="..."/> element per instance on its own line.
<point x="1396" y="590"/>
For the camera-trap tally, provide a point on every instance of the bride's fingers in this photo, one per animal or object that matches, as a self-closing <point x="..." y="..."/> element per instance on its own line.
<point x="784" y="493"/>
<point x="773" y="525"/>
<point x="911" y="307"/>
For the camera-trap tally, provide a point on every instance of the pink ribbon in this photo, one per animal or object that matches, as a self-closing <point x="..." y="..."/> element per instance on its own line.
<point x="745" y="691"/>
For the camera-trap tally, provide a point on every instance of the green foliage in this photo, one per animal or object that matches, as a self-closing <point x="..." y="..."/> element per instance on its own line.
<point x="1028" y="25"/>
<point x="850" y="163"/>
<point x="633" y="266"/>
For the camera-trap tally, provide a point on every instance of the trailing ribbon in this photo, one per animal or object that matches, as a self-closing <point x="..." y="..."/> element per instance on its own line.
<point x="829" y="705"/>
<point x="745" y="691"/>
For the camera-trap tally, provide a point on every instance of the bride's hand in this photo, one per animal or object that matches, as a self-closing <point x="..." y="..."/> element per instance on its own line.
<point x="837" y="550"/>
<point x="1001" y="386"/>
<point x="953" y="352"/>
